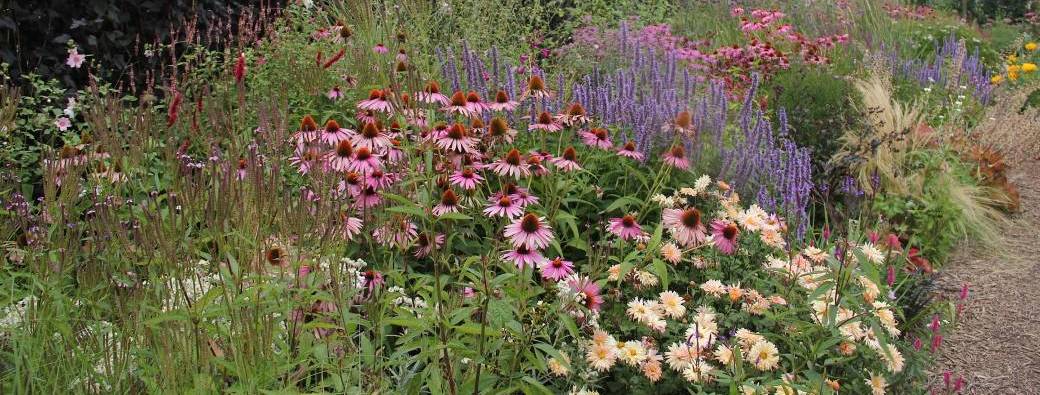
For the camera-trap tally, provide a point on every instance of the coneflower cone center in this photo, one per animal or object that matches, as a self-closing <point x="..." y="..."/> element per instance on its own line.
<point x="344" y="149"/>
<point x="691" y="218"/>
<point x="513" y="157"/>
<point x="628" y="221"/>
<point x="530" y="223"/>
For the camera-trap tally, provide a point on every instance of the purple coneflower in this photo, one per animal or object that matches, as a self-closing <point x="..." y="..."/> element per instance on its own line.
<point x="396" y="233"/>
<point x="425" y="244"/>
<point x="589" y="291"/>
<point x="351" y="226"/>
<point x="557" y="269"/>
<point x="629" y="151"/>
<point x="568" y="161"/>
<point x="242" y="166"/>
<point x="432" y="94"/>
<point x="364" y="161"/>
<point x="376" y="102"/>
<point x="379" y="179"/>
<point x="474" y="105"/>
<point x="449" y="203"/>
<point x="724" y="235"/>
<point x="535" y="89"/>
<point x="352" y="183"/>
<point x="366" y="116"/>
<point x="530" y="230"/>
<point x="502" y="102"/>
<point x="522" y="196"/>
<point x="333" y="134"/>
<point x="545" y="122"/>
<point x="535" y="166"/>
<point x="308" y="131"/>
<point x="523" y="257"/>
<point x="466" y="178"/>
<point x="625" y="227"/>
<point x="676" y="157"/>
<point x="575" y="115"/>
<point x="371" y="137"/>
<point x="335" y="93"/>
<point x="380" y="49"/>
<point x="500" y="130"/>
<point x="456" y="139"/>
<point x="686" y="225"/>
<point x="682" y="124"/>
<point x="510" y="165"/>
<point x="457" y="105"/>
<point x="367" y="197"/>
<point x="340" y="157"/>
<point x="503" y="206"/>
<point x="596" y="137"/>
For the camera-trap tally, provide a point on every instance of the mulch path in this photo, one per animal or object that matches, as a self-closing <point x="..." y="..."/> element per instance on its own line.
<point x="996" y="344"/>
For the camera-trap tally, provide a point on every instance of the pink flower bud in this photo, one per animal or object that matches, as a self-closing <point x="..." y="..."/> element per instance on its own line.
<point x="917" y="344"/>
<point x="891" y="278"/>
<point x="936" y="342"/>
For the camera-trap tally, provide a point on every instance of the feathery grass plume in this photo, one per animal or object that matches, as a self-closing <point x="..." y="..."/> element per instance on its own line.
<point x="1013" y="127"/>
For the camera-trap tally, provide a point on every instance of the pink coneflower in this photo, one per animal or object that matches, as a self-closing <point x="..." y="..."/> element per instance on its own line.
<point x="353" y="182"/>
<point x="629" y="151"/>
<point x="523" y="257"/>
<point x="625" y="227"/>
<point x="373" y="137"/>
<point x="366" y="116"/>
<point x="376" y="102"/>
<point x="535" y="89"/>
<point x="724" y="235"/>
<point x="676" y="157"/>
<point x="380" y="49"/>
<point x="350" y="226"/>
<point x="335" y="93"/>
<point x="373" y="279"/>
<point x="596" y="137"/>
<point x="474" y="105"/>
<point x="456" y="138"/>
<point x="396" y="233"/>
<point x="575" y="115"/>
<point x="556" y="269"/>
<point x="401" y="56"/>
<point x="503" y="206"/>
<point x="500" y="130"/>
<point x="379" y="179"/>
<point x="502" y="102"/>
<point x="545" y="122"/>
<point x="530" y="230"/>
<point x="535" y="166"/>
<point x="466" y="178"/>
<point x="686" y="225"/>
<point x="568" y="161"/>
<point x="367" y="197"/>
<point x="394" y="154"/>
<point x="523" y="197"/>
<point x="432" y="94"/>
<point x="682" y="124"/>
<point x="449" y="203"/>
<point x="510" y="165"/>
<point x="308" y="131"/>
<point x="425" y="244"/>
<point x="588" y="290"/>
<point x="340" y="158"/>
<point x="457" y="105"/>
<point x="364" y="161"/>
<point x="333" y="134"/>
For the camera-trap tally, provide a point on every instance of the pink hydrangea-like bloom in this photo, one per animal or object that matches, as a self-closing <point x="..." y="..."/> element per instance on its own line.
<point x="523" y="257"/>
<point x="724" y="235"/>
<point x="530" y="230"/>
<point x="625" y="227"/>
<point x="557" y="269"/>
<point x="466" y="178"/>
<point x="685" y="225"/>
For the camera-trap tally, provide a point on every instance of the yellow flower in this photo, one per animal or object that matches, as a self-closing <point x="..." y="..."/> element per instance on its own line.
<point x="1028" y="67"/>
<point x="997" y="79"/>
<point x="1012" y="58"/>
<point x="1031" y="46"/>
<point x="1012" y="75"/>
<point x="1014" y="68"/>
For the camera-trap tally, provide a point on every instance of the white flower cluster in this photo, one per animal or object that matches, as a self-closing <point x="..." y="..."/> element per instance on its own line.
<point x="415" y="304"/>
<point x="355" y="272"/>
<point x="196" y="282"/>
<point x="11" y="317"/>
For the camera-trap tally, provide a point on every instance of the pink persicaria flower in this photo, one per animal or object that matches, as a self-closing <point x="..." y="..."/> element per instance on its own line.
<point x="546" y="122"/>
<point x="466" y="178"/>
<point x="474" y="105"/>
<point x="371" y="137"/>
<point x="556" y="269"/>
<point x="587" y="290"/>
<point x="676" y="157"/>
<point x="625" y="227"/>
<point x="340" y="158"/>
<point x="335" y="93"/>
<point x="351" y="226"/>
<point x="523" y="257"/>
<point x="63" y="123"/>
<point x="449" y="203"/>
<point x="364" y="161"/>
<point x="456" y="138"/>
<point x="457" y="105"/>
<point x="596" y="137"/>
<point x="75" y="59"/>
<point x="425" y="244"/>
<point x="503" y="206"/>
<point x="724" y="235"/>
<point x="530" y="230"/>
<point x="432" y="94"/>
<point x="568" y="161"/>
<point x="685" y="225"/>
<point x="367" y="197"/>
<point x="629" y="151"/>
<point x="380" y="49"/>
<point x="510" y="165"/>
<point x="502" y="102"/>
<point x="333" y="133"/>
<point x="376" y="102"/>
